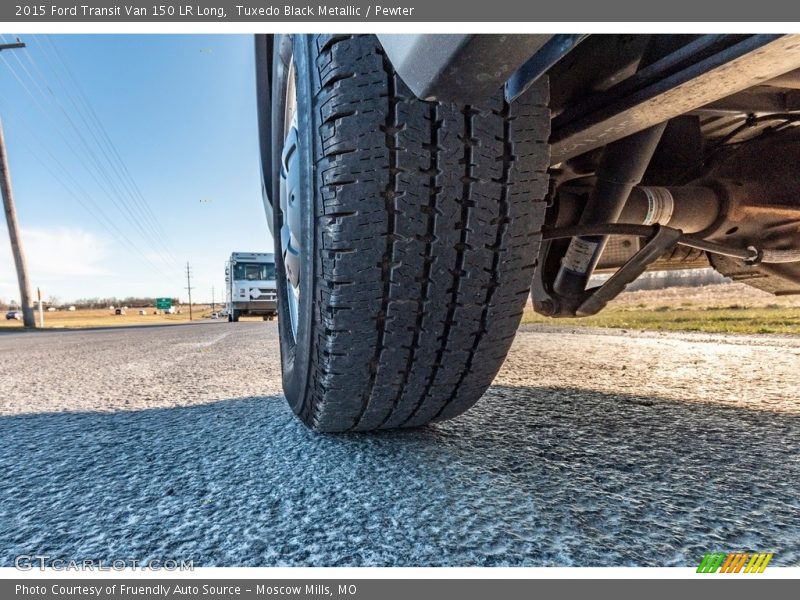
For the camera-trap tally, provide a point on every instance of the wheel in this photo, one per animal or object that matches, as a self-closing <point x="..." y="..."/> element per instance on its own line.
<point x="230" y="318"/>
<point x="235" y="315"/>
<point x="408" y="232"/>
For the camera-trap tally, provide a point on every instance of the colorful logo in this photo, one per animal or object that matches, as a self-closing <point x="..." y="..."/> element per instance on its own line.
<point x="735" y="562"/>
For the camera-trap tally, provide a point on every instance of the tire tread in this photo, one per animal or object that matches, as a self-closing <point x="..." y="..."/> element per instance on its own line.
<point x="427" y="224"/>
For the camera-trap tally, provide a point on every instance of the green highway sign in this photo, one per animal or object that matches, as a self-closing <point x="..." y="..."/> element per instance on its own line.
<point x="163" y="303"/>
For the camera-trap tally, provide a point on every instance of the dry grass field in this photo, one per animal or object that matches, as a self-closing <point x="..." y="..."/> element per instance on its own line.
<point x="101" y="317"/>
<point x="724" y="308"/>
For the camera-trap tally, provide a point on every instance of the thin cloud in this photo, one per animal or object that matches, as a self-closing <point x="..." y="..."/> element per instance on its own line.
<point x="54" y="255"/>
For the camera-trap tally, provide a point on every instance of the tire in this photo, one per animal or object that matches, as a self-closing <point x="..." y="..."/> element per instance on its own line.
<point x="235" y="315"/>
<point x="421" y="225"/>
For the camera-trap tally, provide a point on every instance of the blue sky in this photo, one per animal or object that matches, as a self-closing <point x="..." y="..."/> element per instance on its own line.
<point x="179" y="180"/>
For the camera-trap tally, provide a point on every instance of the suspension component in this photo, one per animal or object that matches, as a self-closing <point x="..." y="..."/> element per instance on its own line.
<point x="662" y="240"/>
<point x="621" y="168"/>
<point x="692" y="209"/>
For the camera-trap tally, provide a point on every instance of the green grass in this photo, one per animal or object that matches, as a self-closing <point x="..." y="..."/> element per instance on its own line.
<point x="731" y="319"/>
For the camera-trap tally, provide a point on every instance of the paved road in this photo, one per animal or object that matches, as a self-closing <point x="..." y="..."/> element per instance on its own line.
<point x="591" y="448"/>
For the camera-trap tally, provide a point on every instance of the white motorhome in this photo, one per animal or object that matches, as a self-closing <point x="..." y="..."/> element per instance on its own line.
<point x="250" y="285"/>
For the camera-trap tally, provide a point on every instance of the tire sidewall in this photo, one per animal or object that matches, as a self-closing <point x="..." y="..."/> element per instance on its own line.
<point x="295" y="351"/>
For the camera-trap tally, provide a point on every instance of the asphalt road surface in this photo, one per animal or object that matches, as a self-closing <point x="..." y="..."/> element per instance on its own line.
<point x="592" y="448"/>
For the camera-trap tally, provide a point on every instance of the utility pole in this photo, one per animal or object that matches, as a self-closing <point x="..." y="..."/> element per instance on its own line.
<point x="189" y="288"/>
<point x="14" y="235"/>
<point x="41" y="310"/>
<point x="13" y="223"/>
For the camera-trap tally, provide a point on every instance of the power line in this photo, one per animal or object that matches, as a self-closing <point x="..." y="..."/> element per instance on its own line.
<point x="13" y="224"/>
<point x="95" y="210"/>
<point x="109" y="187"/>
<point x="114" y="193"/>
<point x="148" y="217"/>
<point x="94" y="123"/>
<point x="81" y="196"/>
<point x="98" y="121"/>
<point x="114" y="197"/>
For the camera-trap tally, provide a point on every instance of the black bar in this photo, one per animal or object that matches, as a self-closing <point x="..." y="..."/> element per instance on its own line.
<point x="711" y="585"/>
<point x="464" y="11"/>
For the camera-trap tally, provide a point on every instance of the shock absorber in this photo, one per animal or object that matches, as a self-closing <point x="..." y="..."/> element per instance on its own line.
<point x="621" y="168"/>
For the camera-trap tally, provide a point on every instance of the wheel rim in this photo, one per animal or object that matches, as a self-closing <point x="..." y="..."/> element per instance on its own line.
<point x="290" y="202"/>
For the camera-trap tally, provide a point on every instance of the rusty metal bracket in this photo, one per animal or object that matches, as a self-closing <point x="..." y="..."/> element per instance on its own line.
<point x="662" y="240"/>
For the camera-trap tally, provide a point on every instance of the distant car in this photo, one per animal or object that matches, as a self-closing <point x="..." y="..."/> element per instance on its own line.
<point x="14" y="314"/>
<point x="119" y="311"/>
<point x="215" y="315"/>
